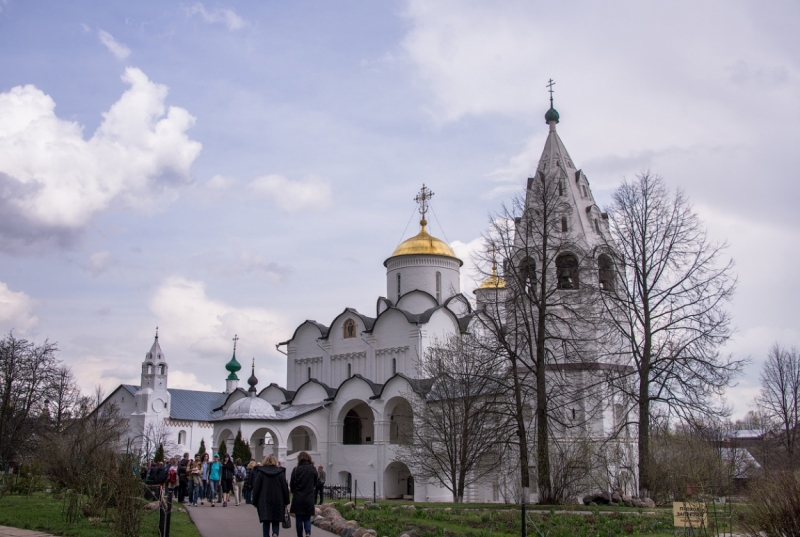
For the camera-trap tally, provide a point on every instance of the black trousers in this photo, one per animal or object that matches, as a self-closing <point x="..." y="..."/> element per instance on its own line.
<point x="321" y="494"/>
<point x="183" y="485"/>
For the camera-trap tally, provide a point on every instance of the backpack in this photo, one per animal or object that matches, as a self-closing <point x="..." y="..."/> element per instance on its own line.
<point x="241" y="473"/>
<point x="172" y="476"/>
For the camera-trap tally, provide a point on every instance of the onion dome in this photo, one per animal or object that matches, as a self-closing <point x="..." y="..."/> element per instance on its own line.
<point x="252" y="381"/>
<point x="492" y="282"/>
<point x="233" y="366"/>
<point x="250" y="408"/>
<point x="551" y="115"/>
<point x="424" y="243"/>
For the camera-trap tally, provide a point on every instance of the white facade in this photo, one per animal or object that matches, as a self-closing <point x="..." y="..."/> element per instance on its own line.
<point x="349" y="383"/>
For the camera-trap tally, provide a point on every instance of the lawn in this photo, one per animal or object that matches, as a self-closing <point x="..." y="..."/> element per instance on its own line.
<point x="43" y="513"/>
<point x="483" y="520"/>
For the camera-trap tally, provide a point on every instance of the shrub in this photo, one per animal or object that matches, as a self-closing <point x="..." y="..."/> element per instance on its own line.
<point x="774" y="507"/>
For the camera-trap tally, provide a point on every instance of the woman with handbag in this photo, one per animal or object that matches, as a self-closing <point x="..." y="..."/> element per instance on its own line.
<point x="270" y="495"/>
<point x="304" y="487"/>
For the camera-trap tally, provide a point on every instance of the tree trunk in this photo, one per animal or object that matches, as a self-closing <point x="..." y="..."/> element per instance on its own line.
<point x="542" y="436"/>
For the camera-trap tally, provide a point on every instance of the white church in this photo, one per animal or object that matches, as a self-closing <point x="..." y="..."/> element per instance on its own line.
<point x="346" y="397"/>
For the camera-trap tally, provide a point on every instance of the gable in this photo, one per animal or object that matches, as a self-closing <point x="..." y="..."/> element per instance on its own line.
<point x="310" y="392"/>
<point x="416" y="301"/>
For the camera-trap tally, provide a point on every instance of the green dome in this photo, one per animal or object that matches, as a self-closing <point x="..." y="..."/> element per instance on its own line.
<point x="233" y="366"/>
<point x="551" y="115"/>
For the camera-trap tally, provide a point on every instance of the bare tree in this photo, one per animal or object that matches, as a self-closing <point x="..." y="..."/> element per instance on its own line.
<point x="459" y="433"/>
<point x="667" y="306"/>
<point x="780" y="394"/>
<point x="63" y="397"/>
<point x="26" y="371"/>
<point x="544" y="316"/>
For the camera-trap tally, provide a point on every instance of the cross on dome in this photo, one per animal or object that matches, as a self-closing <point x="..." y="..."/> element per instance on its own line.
<point x="422" y="199"/>
<point x="235" y="341"/>
<point x="552" y="114"/>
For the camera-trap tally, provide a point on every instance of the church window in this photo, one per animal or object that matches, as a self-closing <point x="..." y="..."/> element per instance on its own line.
<point x="349" y="370"/>
<point x="308" y="374"/>
<point x="149" y="369"/>
<point x="564" y="224"/>
<point x="583" y="189"/>
<point x="394" y="366"/>
<point x="573" y="413"/>
<point x="161" y="369"/>
<point x="349" y="328"/>
<point x="398" y="286"/>
<point x="527" y="274"/>
<point x="560" y="188"/>
<point x="439" y="287"/>
<point x="605" y="273"/>
<point x="567" y="272"/>
<point x="597" y="225"/>
<point x="182" y="438"/>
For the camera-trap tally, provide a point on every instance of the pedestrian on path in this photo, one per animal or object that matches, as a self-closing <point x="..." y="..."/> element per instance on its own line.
<point x="270" y="495"/>
<point x="304" y="487"/>
<point x="320" y="484"/>
<point x="214" y="475"/>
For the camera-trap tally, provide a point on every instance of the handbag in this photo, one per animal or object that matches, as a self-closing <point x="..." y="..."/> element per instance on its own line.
<point x="287" y="521"/>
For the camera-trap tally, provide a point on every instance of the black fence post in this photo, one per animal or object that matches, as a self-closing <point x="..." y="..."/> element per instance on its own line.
<point x="165" y="514"/>
<point x="374" y="493"/>
<point x="355" y="495"/>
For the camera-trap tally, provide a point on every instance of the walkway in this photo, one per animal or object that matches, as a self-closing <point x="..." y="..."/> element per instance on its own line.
<point x="233" y="521"/>
<point x="5" y="531"/>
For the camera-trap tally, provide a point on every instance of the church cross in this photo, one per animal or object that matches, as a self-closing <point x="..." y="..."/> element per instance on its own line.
<point x="235" y="340"/>
<point x="493" y="250"/>
<point x="550" y="85"/>
<point x="422" y="199"/>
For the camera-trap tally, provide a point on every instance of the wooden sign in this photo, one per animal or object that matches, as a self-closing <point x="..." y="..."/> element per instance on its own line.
<point x="690" y="515"/>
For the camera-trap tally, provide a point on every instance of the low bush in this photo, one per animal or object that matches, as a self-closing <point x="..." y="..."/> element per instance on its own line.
<point x="774" y="508"/>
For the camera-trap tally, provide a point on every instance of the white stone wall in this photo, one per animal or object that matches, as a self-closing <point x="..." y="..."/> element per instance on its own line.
<point x="419" y="272"/>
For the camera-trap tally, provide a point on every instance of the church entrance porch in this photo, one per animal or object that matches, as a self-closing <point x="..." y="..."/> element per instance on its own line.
<point x="398" y="483"/>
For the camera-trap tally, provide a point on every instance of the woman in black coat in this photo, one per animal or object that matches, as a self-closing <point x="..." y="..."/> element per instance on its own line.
<point x="270" y="495"/>
<point x="304" y="487"/>
<point x="228" y="475"/>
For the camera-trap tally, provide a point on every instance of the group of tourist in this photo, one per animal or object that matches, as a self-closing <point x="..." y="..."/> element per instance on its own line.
<point x="263" y="485"/>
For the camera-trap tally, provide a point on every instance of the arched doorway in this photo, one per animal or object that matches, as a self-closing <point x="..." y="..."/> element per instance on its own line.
<point x="264" y="442"/>
<point x="400" y="416"/>
<point x="358" y="423"/>
<point x="398" y="483"/>
<point x="301" y="439"/>
<point x="226" y="435"/>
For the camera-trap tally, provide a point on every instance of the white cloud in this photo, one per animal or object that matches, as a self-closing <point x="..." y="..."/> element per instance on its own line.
<point x="54" y="181"/>
<point x="187" y="381"/>
<point x="100" y="262"/>
<point x="226" y="16"/>
<point x="16" y="310"/>
<point x="191" y="319"/>
<point x="116" y="48"/>
<point x="312" y="193"/>
<point x="467" y="252"/>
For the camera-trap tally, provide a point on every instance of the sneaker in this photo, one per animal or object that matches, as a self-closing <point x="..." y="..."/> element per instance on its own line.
<point x="212" y="504"/>
<point x="224" y="504"/>
<point x="202" y="503"/>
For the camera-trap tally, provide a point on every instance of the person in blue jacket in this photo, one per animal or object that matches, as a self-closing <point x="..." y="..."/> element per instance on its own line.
<point x="214" y="475"/>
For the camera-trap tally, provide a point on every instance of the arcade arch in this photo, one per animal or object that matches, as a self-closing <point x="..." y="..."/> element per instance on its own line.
<point x="301" y="439"/>
<point x="400" y="415"/>
<point x="397" y="482"/>
<point x="358" y="423"/>
<point x="264" y="442"/>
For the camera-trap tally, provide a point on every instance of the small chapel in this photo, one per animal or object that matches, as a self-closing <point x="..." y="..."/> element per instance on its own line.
<point x="349" y="379"/>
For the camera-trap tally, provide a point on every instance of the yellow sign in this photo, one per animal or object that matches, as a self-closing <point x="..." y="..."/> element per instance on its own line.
<point x="690" y="515"/>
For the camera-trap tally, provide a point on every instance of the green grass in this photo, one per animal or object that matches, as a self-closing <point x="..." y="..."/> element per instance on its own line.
<point x="484" y="520"/>
<point x="42" y="512"/>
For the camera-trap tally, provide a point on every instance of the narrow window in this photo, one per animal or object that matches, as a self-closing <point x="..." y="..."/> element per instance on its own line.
<point x="605" y="273"/>
<point x="149" y="369"/>
<point x="309" y="374"/>
<point x="567" y="272"/>
<point x="573" y="413"/>
<point x="394" y="366"/>
<point x="349" y="370"/>
<point x="597" y="225"/>
<point x="583" y="188"/>
<point x="560" y="188"/>
<point x="161" y="369"/>
<point x="398" y="285"/>
<point x="564" y="226"/>
<point x="439" y="287"/>
<point x="527" y="275"/>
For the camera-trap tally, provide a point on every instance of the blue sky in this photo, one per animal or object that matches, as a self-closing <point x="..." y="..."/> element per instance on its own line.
<point x="216" y="168"/>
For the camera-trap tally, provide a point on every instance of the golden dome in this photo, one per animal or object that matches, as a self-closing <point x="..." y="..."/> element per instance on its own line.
<point x="492" y="282"/>
<point x="424" y="244"/>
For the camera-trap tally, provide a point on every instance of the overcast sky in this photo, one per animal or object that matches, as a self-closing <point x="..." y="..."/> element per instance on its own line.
<point x="235" y="168"/>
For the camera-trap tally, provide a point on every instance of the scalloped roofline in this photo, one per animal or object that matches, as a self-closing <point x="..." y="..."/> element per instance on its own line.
<point x="368" y="321"/>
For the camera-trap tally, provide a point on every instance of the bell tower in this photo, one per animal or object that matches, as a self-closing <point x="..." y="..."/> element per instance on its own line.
<point x="152" y="400"/>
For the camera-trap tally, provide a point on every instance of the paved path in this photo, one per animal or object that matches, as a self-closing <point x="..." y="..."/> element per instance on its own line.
<point x="5" y="531"/>
<point x="234" y="521"/>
